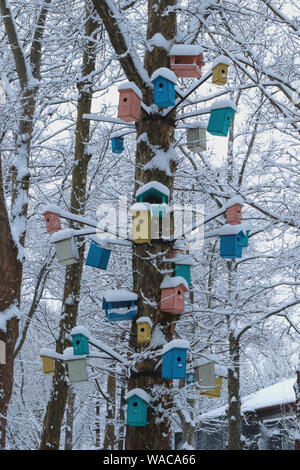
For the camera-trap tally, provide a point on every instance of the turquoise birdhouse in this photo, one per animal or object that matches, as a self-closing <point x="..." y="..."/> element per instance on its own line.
<point x="159" y="210"/>
<point x="231" y="237"/>
<point x="137" y="407"/>
<point x="220" y="117"/>
<point x="119" y="305"/>
<point x="117" y="144"/>
<point x="80" y="336"/>
<point x="153" y="192"/>
<point x="174" y="359"/>
<point x="164" y="81"/>
<point x="98" y="256"/>
<point x="182" y="267"/>
<point x="245" y="239"/>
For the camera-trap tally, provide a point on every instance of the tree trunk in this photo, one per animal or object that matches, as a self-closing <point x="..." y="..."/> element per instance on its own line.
<point x="98" y="424"/>
<point x="297" y="393"/>
<point x="69" y="420"/>
<point x="110" y="437"/>
<point x="234" y="402"/>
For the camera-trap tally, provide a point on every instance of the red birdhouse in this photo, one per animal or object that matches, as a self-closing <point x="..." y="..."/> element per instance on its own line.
<point x="178" y="248"/>
<point x="187" y="60"/>
<point x="234" y="211"/>
<point x="172" y="294"/>
<point x="129" y="102"/>
<point x="52" y="222"/>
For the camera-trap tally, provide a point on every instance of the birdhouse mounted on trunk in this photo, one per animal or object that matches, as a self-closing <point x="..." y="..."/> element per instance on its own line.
<point x="119" y="305"/>
<point x="137" y="407"/>
<point x="80" y="336"/>
<point x="172" y="294"/>
<point x="117" y="144"/>
<point x="141" y="222"/>
<point x="129" y="102"/>
<point x="220" y="117"/>
<point x="153" y="192"/>
<point x="164" y="81"/>
<point x="65" y="246"/>
<point x="187" y="60"/>
<point x="196" y="139"/>
<point x="144" y="326"/>
<point x="48" y="361"/>
<point x="231" y="237"/>
<point x="182" y="267"/>
<point x="98" y="255"/>
<point x="234" y="211"/>
<point x="174" y="359"/>
<point x="220" y="70"/>
<point x="52" y="222"/>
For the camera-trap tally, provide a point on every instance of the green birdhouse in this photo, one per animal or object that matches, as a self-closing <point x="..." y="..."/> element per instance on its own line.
<point x="137" y="407"/>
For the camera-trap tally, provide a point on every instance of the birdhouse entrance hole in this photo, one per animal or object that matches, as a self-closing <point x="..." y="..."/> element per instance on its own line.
<point x="134" y="404"/>
<point x="178" y="358"/>
<point x="142" y="329"/>
<point x="124" y="99"/>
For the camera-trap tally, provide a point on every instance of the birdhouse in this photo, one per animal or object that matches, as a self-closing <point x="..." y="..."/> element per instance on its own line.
<point x="129" y="102"/>
<point x="2" y="352"/>
<point x="174" y="359"/>
<point x="190" y="378"/>
<point x="205" y="373"/>
<point x="234" y="211"/>
<point x="153" y="192"/>
<point x="119" y="305"/>
<point x="172" y="294"/>
<point x="159" y="210"/>
<point x="164" y="81"/>
<point x="178" y="248"/>
<point x="65" y="246"/>
<point x="117" y="144"/>
<point x="220" y="117"/>
<point x="77" y="370"/>
<point x="98" y="256"/>
<point x="220" y="70"/>
<point x="48" y="361"/>
<point x="144" y="326"/>
<point x="80" y="336"/>
<point x="187" y="60"/>
<point x="141" y="222"/>
<point x="182" y="267"/>
<point x="216" y="391"/>
<point x="231" y="241"/>
<point x="52" y="222"/>
<point x="245" y="239"/>
<point x="196" y="139"/>
<point x="137" y="407"/>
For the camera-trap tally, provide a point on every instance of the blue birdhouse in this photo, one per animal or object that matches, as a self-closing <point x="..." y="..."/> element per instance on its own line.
<point x="231" y="241"/>
<point x="98" y="256"/>
<point x="190" y="378"/>
<point x="117" y="144"/>
<point x="137" y="407"/>
<point x="220" y="117"/>
<point x="80" y="336"/>
<point x="245" y="239"/>
<point x="174" y="359"/>
<point x="164" y="81"/>
<point x="119" y="304"/>
<point x="182" y="267"/>
<point x="153" y="192"/>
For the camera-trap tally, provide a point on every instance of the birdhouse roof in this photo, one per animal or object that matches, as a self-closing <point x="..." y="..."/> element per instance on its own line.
<point x="175" y="344"/>
<point x="171" y="282"/>
<point x="201" y="362"/>
<point x="234" y="200"/>
<point x="80" y="330"/>
<point x="119" y="295"/>
<point x="165" y="73"/>
<point x="141" y="206"/>
<point x="222" y="59"/>
<point x="139" y="393"/>
<point x="51" y="208"/>
<point x="179" y="245"/>
<point x="102" y="242"/>
<point x="68" y="355"/>
<point x="47" y="352"/>
<point x="186" y="49"/>
<point x="221" y="371"/>
<point x="117" y="134"/>
<point x="130" y="86"/>
<point x="221" y="104"/>
<point x="228" y="229"/>
<point x="62" y="235"/>
<point x="145" y="320"/>
<point x="184" y="259"/>
<point x="153" y="185"/>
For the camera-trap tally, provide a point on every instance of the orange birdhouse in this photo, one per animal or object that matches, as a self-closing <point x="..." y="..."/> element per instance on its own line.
<point x="187" y="60"/>
<point x="129" y="102"/>
<point x="234" y="211"/>
<point x="172" y="294"/>
<point x="52" y="222"/>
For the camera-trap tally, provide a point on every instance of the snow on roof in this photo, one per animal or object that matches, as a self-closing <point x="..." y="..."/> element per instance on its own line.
<point x="47" y="352"/>
<point x="117" y="295"/>
<point x="153" y="185"/>
<point x="141" y="206"/>
<point x="80" y="330"/>
<point x="222" y="59"/>
<point x="201" y="362"/>
<point x="131" y="86"/>
<point x="117" y="134"/>
<point x="176" y="343"/>
<point x="186" y="49"/>
<point x="170" y="282"/>
<point x="51" y="208"/>
<point x="63" y="235"/>
<point x="234" y="200"/>
<point x="145" y="320"/>
<point x="103" y="242"/>
<point x="68" y="355"/>
<point x="184" y="259"/>
<point x="179" y="245"/>
<point x="221" y="371"/>
<point x="220" y="104"/>
<point x="228" y="229"/>
<point x="166" y="73"/>
<point x="139" y="393"/>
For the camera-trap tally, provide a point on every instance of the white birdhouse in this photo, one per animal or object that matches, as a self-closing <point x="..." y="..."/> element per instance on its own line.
<point x="196" y="139"/>
<point x="205" y="373"/>
<point x="77" y="370"/>
<point x="66" y="248"/>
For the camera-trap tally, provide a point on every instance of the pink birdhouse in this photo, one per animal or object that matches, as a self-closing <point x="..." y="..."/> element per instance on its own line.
<point x="178" y="248"/>
<point x="129" y="102"/>
<point x="52" y="222"/>
<point x="187" y="60"/>
<point x="234" y="211"/>
<point x="172" y="294"/>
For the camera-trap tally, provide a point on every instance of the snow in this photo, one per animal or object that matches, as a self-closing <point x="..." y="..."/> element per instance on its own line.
<point x="186" y="49"/>
<point x="228" y="229"/>
<point x="222" y="59"/>
<point x="51" y="208"/>
<point x="46" y="352"/>
<point x="155" y="185"/>
<point x="130" y="86"/>
<point x="63" y="235"/>
<point x="179" y="245"/>
<point x="220" y="104"/>
<point x="201" y="362"/>
<point x="141" y="206"/>
<point x="139" y="393"/>
<point x="145" y="320"/>
<point x="103" y="242"/>
<point x="166" y="73"/>
<point x="176" y="343"/>
<point x="68" y="355"/>
<point x="80" y="330"/>
<point x="184" y="259"/>
<point x="159" y="40"/>
<point x="221" y="371"/>
<point x="233" y="201"/>
<point x="171" y="282"/>
<point x="111" y="295"/>
<point x="161" y="160"/>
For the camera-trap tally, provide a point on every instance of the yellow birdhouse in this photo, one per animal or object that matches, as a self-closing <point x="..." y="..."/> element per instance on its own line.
<point x="220" y="70"/>
<point x="48" y="364"/>
<point x="141" y="222"/>
<point x="214" y="392"/>
<point x="144" y="326"/>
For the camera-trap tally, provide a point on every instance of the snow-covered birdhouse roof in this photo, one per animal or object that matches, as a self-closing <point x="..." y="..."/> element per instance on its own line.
<point x="102" y="242"/>
<point x="119" y="295"/>
<point x="222" y="59"/>
<point x="153" y="185"/>
<point x="130" y="86"/>
<point x="141" y="206"/>
<point x="201" y="362"/>
<point x="221" y="104"/>
<point x="234" y="200"/>
<point x="145" y="320"/>
<point x="139" y="393"/>
<point x="165" y="73"/>
<point x="228" y="229"/>
<point x="221" y="371"/>
<point x="171" y="282"/>
<point x="62" y="235"/>
<point x="51" y="208"/>
<point x="186" y="49"/>
<point x="47" y="352"/>
<point x="80" y="330"/>
<point x="68" y="355"/>
<point x="175" y="344"/>
<point x="179" y="245"/>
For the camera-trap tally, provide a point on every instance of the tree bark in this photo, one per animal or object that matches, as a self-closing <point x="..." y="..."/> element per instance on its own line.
<point x="69" y="420"/>
<point x="234" y="402"/>
<point x="110" y="437"/>
<point x="297" y="394"/>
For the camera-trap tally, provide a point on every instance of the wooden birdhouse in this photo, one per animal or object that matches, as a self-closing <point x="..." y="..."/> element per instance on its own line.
<point x="174" y="359"/>
<point x="144" y="326"/>
<point x="48" y="361"/>
<point x="196" y="139"/>
<point x="77" y="370"/>
<point x="178" y="248"/>
<point x="231" y="241"/>
<point x="172" y="294"/>
<point x="164" y="81"/>
<point x="65" y="246"/>
<point x="129" y="102"/>
<point x="216" y="391"/>
<point x="159" y="210"/>
<point x="205" y="373"/>
<point x="220" y="117"/>
<point x="220" y="70"/>
<point x="187" y="60"/>
<point x="80" y="336"/>
<point x="52" y="222"/>
<point x="141" y="222"/>
<point x="182" y="267"/>
<point x="2" y="353"/>
<point x="117" y="144"/>
<point x="234" y="211"/>
<point x="245" y="239"/>
<point x="119" y="305"/>
<point x="137" y="407"/>
<point x="153" y="192"/>
<point x="98" y="256"/>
